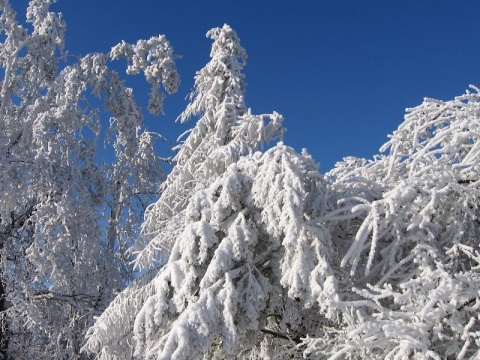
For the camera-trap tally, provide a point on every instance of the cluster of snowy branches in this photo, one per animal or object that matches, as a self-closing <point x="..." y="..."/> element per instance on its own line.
<point x="248" y="253"/>
<point x="267" y="258"/>
<point x="411" y="241"/>
<point x="66" y="218"/>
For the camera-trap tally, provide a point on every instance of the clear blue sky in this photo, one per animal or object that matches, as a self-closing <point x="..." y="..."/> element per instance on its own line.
<point x="342" y="72"/>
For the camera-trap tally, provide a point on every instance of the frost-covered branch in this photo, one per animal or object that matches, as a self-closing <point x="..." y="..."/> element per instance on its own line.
<point x="69" y="179"/>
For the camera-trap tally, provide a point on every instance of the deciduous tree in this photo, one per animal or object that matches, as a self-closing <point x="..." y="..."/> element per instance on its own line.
<point x="66" y="217"/>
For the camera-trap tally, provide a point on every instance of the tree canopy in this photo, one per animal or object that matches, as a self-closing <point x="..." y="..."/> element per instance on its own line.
<point x="268" y="258"/>
<point x="72" y="183"/>
<point x="248" y="252"/>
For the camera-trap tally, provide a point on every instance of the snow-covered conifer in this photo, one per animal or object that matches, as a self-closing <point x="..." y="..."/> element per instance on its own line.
<point x="225" y="131"/>
<point x="245" y="275"/>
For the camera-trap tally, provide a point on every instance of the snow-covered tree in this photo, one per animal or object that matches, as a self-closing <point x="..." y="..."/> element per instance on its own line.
<point x="66" y="217"/>
<point x="379" y="259"/>
<point x="246" y="254"/>
<point x="225" y="131"/>
<point x="413" y="240"/>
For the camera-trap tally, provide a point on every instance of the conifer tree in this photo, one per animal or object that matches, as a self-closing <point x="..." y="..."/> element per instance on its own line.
<point x="226" y="130"/>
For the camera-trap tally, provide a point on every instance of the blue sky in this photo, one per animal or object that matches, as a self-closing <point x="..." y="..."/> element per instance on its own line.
<point x="342" y="72"/>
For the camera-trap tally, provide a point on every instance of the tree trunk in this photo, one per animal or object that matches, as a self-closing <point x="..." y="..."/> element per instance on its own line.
<point x="3" y="322"/>
<point x="6" y="232"/>
<point x="4" y="336"/>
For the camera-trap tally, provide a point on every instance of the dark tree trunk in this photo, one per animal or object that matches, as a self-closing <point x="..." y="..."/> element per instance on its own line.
<point x="4" y="331"/>
<point x="4" y="336"/>
<point x="7" y="230"/>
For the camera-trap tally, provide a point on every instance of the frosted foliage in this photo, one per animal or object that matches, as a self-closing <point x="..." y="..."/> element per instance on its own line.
<point x="377" y="260"/>
<point x="65" y="218"/>
<point x="155" y="58"/>
<point x="225" y="131"/>
<point x="246" y="254"/>
<point x="227" y="285"/>
<point x="414" y="257"/>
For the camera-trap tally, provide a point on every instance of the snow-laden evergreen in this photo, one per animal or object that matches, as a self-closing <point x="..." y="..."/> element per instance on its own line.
<point x="225" y="131"/>
<point x="246" y="257"/>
